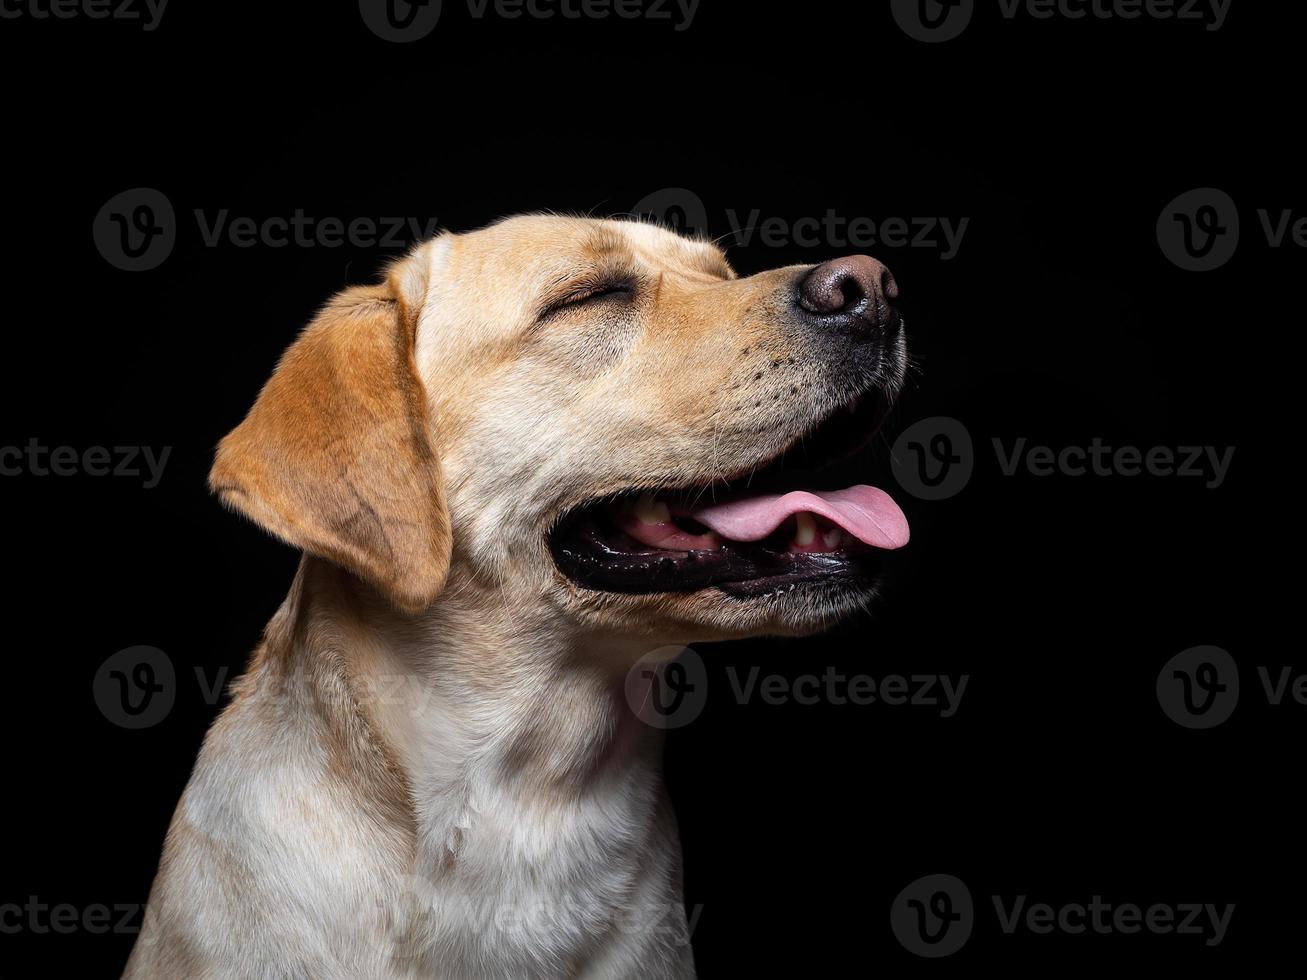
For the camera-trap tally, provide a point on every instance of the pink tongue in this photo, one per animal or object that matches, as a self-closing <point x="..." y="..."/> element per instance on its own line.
<point x="865" y="512"/>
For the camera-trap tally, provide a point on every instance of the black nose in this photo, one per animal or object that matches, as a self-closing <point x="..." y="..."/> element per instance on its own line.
<point x="853" y="294"/>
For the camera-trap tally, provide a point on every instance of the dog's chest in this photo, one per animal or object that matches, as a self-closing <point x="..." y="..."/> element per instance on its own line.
<point x="505" y="886"/>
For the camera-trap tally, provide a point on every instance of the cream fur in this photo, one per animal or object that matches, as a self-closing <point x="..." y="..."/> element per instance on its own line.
<point x="430" y="769"/>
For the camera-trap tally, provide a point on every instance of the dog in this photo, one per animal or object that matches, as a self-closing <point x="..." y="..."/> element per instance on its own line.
<point x="531" y="458"/>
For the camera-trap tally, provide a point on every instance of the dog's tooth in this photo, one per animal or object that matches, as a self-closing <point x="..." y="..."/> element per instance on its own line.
<point x="805" y="530"/>
<point x="832" y="538"/>
<point x="651" y="511"/>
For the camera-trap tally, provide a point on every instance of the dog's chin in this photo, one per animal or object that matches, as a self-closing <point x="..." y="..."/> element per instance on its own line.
<point x="674" y="561"/>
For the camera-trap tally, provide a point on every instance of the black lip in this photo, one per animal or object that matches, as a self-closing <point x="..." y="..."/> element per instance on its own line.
<point x="592" y="553"/>
<point x="587" y="556"/>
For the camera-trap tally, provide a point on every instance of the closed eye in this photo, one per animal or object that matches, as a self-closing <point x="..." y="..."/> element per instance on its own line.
<point x="592" y="294"/>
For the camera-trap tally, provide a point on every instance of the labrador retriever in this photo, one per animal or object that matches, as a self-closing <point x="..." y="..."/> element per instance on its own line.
<point x="532" y="455"/>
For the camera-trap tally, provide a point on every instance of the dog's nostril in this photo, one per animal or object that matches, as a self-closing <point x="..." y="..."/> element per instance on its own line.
<point x="852" y="294"/>
<point x="856" y="286"/>
<point x="887" y="284"/>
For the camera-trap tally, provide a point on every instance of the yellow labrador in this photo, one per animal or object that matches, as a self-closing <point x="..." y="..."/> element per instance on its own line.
<point x="533" y="454"/>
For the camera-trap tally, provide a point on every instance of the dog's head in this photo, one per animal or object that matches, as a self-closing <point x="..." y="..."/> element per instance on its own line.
<point x="593" y="414"/>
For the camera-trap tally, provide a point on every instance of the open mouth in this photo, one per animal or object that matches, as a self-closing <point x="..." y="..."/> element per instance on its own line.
<point x="771" y="531"/>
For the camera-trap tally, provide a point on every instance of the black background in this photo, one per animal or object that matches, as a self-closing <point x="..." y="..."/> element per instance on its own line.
<point x="1060" y="320"/>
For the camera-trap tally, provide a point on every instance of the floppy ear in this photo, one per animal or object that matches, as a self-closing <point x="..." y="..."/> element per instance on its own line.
<point x="336" y="455"/>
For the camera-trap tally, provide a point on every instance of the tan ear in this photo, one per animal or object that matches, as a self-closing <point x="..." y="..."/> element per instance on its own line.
<point x="336" y="455"/>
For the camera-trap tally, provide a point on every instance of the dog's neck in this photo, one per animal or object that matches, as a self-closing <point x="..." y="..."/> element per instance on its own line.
<point x="471" y="708"/>
<point x="520" y="798"/>
<point x="452" y="794"/>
